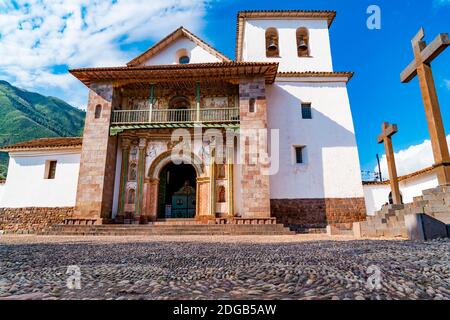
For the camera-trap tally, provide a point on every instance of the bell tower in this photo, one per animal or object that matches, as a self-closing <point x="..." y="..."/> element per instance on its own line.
<point x="297" y="40"/>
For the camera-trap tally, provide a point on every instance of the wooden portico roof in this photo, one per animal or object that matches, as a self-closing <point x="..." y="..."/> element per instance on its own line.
<point x="225" y="71"/>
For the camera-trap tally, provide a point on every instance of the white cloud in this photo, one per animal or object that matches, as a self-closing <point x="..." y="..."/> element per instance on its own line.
<point x="37" y="35"/>
<point x="441" y="2"/>
<point x="409" y="160"/>
<point x="447" y="84"/>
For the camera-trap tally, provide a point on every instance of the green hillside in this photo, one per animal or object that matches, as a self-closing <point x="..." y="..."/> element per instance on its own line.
<point x="26" y="115"/>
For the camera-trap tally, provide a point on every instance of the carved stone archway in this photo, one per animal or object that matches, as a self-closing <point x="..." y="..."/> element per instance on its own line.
<point x="153" y="178"/>
<point x="166" y="157"/>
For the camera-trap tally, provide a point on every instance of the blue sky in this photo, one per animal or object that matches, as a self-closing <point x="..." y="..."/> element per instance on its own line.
<point x="39" y="40"/>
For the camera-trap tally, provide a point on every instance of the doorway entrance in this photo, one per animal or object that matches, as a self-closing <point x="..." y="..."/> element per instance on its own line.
<point x="179" y="109"/>
<point x="177" y="191"/>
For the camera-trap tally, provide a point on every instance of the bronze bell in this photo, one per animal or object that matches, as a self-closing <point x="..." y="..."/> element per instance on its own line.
<point x="272" y="45"/>
<point x="302" y="46"/>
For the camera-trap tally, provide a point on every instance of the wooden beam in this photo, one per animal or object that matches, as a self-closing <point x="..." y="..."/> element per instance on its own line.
<point x="428" y="55"/>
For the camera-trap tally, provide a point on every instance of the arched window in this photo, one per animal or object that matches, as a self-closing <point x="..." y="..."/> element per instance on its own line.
<point x="182" y="112"/>
<point x="221" y="192"/>
<point x="133" y="174"/>
<point x="302" y="42"/>
<point x="182" y="56"/>
<point x="272" y="48"/>
<point x="131" y="196"/>
<point x="179" y="102"/>
<point x="98" y="111"/>
<point x="183" y="60"/>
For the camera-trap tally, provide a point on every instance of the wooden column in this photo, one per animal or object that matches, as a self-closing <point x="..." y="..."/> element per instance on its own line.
<point x="152" y="94"/>
<point x="124" y="173"/>
<point x="140" y="177"/>
<point x="197" y="92"/>
<point x="385" y="137"/>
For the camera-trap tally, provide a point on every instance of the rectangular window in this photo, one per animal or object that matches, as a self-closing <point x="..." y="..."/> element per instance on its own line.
<point x="306" y="111"/>
<point x="50" y="169"/>
<point x="251" y="105"/>
<point x="299" y="155"/>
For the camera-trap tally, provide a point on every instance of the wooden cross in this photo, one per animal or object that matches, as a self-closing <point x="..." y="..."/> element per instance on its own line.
<point x="423" y="56"/>
<point x="387" y="132"/>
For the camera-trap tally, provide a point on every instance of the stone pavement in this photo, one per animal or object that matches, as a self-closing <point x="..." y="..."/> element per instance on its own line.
<point x="223" y="267"/>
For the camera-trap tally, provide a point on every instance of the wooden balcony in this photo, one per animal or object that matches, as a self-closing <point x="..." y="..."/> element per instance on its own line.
<point x="169" y="116"/>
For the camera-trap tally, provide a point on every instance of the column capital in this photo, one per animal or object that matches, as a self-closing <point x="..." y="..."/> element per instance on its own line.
<point x="142" y="143"/>
<point x="153" y="181"/>
<point x="125" y="143"/>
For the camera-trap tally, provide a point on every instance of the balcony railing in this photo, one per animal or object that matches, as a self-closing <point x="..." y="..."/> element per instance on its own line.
<point x="175" y="116"/>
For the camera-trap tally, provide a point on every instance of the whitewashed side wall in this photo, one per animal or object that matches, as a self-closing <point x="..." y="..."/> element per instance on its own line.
<point x="376" y="195"/>
<point x="25" y="184"/>
<point x="169" y="55"/>
<point x="254" y="48"/>
<point x="332" y="167"/>
<point x="2" y="189"/>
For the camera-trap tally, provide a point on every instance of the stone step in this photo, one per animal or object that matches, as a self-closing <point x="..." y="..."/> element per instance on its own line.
<point x="311" y="230"/>
<point x="204" y="229"/>
<point x="168" y="233"/>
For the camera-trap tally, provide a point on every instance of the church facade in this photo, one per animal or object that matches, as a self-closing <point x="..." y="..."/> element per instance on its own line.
<point x="184" y="132"/>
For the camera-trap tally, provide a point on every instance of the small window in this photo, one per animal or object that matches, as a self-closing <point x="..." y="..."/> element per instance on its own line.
<point x="272" y="49"/>
<point x="50" y="169"/>
<point x="306" y="111"/>
<point x="251" y="105"/>
<point x="183" y="60"/>
<point x="98" y="111"/>
<point x="299" y="156"/>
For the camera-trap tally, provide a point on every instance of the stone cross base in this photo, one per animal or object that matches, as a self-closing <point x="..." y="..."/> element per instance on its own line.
<point x="426" y="218"/>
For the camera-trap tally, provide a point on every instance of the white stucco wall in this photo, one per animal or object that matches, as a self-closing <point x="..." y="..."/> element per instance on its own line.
<point x="378" y="194"/>
<point x="332" y="167"/>
<point x="254" y="48"/>
<point x="2" y="189"/>
<point x="169" y="55"/>
<point x="375" y="196"/>
<point x="25" y="184"/>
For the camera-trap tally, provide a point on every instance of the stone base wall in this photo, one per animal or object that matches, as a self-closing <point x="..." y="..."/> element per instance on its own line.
<point x="390" y="221"/>
<point x="32" y="219"/>
<point x="253" y="138"/>
<point x="318" y="213"/>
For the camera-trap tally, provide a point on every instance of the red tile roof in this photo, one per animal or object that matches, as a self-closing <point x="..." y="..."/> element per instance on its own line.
<point x="45" y="143"/>
<point x="405" y="177"/>
<point x="180" y="32"/>
<point x="177" y="72"/>
<point x="312" y="74"/>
